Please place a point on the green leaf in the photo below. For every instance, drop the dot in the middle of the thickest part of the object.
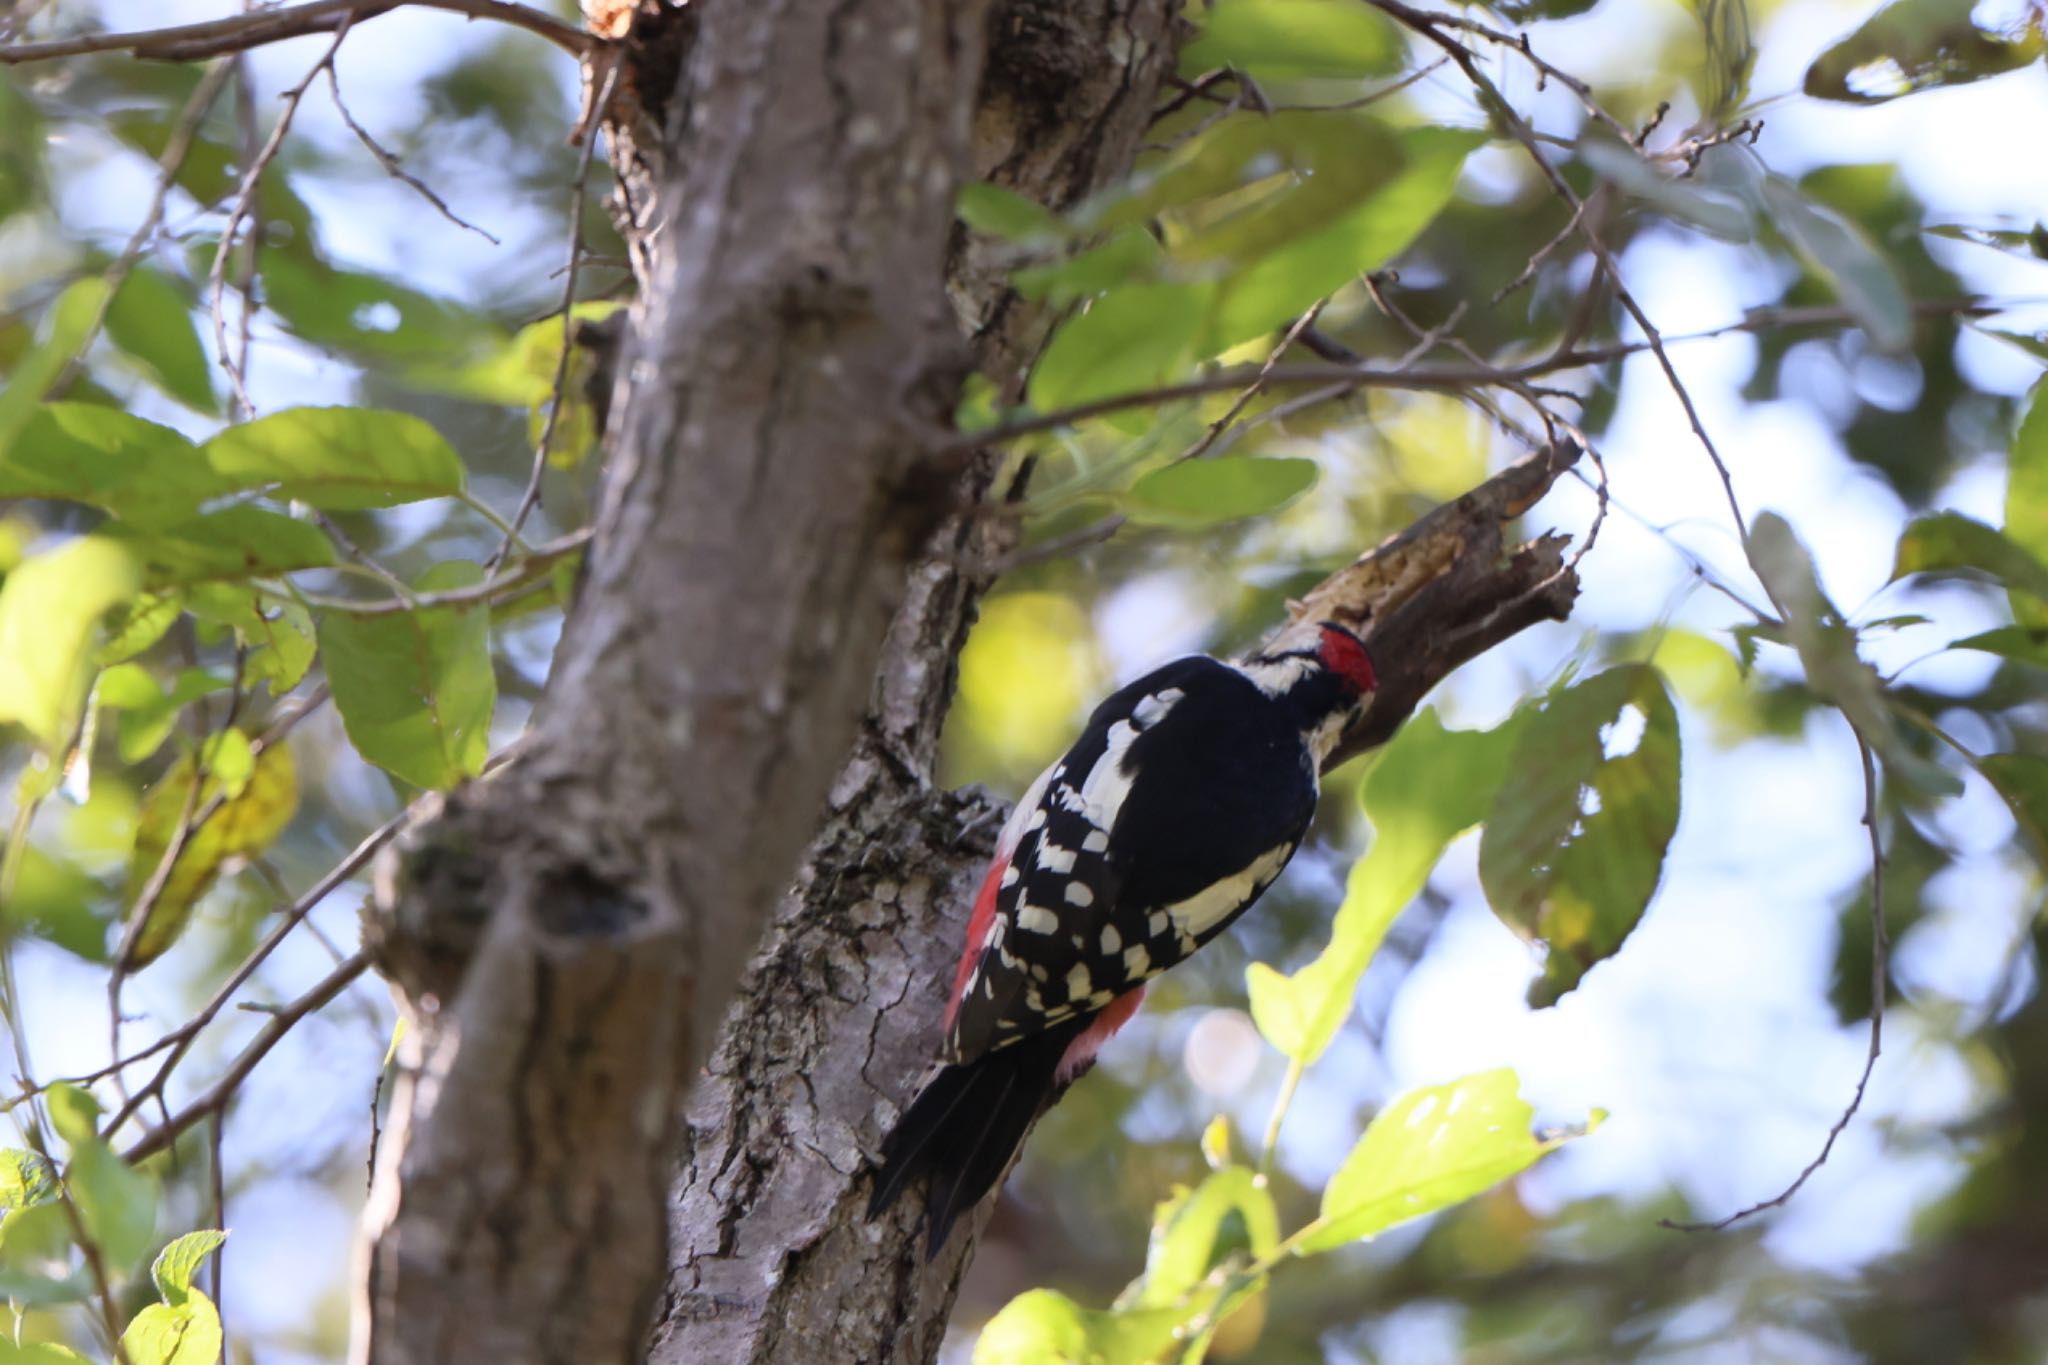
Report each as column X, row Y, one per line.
column 1267, row 293
column 1428, row 786
column 415, row 688
column 1428, row 1150
column 26, row 1180
column 116, row 1203
column 1007, row 214
column 1827, row 651
column 1230, row 1213
column 2032, row 243
column 82, row 452
column 1572, row 879
column 1205, row 492
column 1132, row 338
column 151, row 321
column 2022, row 780
column 1045, row 1327
column 231, row 545
column 1843, row 255
column 50, row 610
column 1127, row 254
column 339, row 458
column 369, row 316
column 2018, row 643
column 1713, row 211
column 1914, row 45
column 278, row 635
column 2026, row 501
column 187, row 1333
column 1948, row 541
column 148, row 712
column 1279, row 39
column 70, row 318
column 178, row 1262
column 135, row 627
column 43, row 1352
column 261, row 796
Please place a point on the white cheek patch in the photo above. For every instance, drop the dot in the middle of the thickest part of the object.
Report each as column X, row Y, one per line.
column 1275, row 677
column 1196, row 916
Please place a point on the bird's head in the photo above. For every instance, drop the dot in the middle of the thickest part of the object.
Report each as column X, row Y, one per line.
column 1325, row 685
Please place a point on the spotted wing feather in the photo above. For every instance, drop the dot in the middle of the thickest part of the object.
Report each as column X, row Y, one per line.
column 1216, row 792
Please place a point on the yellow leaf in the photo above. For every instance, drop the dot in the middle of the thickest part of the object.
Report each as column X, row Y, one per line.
column 248, row 822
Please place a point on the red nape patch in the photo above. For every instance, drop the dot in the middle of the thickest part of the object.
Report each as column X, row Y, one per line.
column 977, row 932
column 1080, row 1054
column 1344, row 654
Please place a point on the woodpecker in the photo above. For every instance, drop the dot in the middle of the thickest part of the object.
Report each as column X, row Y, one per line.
column 1177, row 807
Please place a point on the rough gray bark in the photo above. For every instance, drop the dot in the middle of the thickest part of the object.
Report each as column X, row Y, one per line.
column 569, row 932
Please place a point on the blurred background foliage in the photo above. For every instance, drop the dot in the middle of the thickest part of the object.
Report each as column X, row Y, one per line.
column 1866, row 245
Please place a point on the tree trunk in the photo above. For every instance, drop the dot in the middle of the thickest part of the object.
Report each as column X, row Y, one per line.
column 567, row 933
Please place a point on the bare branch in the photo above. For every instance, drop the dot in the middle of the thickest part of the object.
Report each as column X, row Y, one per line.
column 259, row 28
column 1880, row 970
column 392, row 166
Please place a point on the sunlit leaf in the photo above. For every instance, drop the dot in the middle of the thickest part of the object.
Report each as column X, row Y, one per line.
column 151, row 321
column 1949, row 541
column 1045, row 1327
column 57, row 901
column 277, row 634
column 43, row 1352
column 1129, row 253
column 1913, row 45
column 1428, row 1150
column 70, row 318
column 1840, row 252
column 1230, row 1212
column 26, row 1180
column 233, row 544
column 1277, row 39
column 1428, row 786
column 1574, row 843
column 339, row 458
column 2026, row 502
column 1130, row 339
column 83, row 452
column 148, row 711
column 1268, row 293
column 415, row 688
column 50, row 612
column 1204, row 492
column 177, row 1264
column 138, row 625
column 246, row 824
column 2022, row 780
column 116, row 1202
column 186, row 1333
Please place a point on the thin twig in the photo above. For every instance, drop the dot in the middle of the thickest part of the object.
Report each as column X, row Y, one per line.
column 245, row 199
column 214, row 1100
column 530, row 497
column 393, row 167
column 1880, row 957
column 532, row 566
column 258, row 28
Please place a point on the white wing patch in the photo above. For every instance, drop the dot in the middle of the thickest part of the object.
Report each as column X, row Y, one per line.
column 1036, row 919
column 1107, row 784
column 1200, row 912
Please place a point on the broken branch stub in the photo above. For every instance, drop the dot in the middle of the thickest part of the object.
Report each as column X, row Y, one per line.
column 1445, row 590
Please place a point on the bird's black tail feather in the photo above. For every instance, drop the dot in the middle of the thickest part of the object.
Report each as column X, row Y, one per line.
column 966, row 1124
